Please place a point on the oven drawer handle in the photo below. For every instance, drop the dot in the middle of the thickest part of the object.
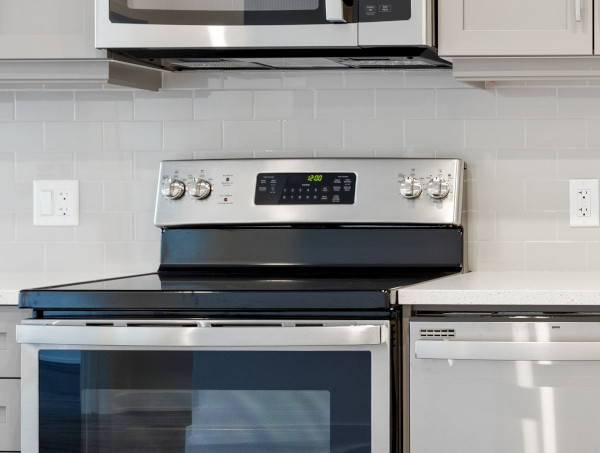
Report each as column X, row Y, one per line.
column 201, row 336
column 507, row 350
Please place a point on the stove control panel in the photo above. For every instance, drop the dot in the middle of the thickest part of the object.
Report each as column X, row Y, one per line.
column 292, row 191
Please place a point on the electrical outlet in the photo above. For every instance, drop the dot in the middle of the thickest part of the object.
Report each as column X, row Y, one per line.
column 56, row 203
column 584, row 203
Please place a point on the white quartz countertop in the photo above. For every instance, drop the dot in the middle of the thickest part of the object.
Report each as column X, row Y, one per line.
column 506, row 288
column 12, row 282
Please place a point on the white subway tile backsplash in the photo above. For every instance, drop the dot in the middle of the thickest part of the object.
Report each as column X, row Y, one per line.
column 191, row 135
column 252, row 134
column 521, row 142
column 103, row 105
column 45, row 165
column 133, row 136
column 7, row 226
column 547, row 195
column 556, row 256
column 345, row 104
column 313, row 134
column 556, row 133
column 45, row 105
column 497, row 256
column 466, row 103
column 210, row 105
column 134, row 257
column 526, row 226
column 275, row 104
column 166, row 105
column 527, row 164
column 67, row 256
column 7, row 106
column 23, row 257
column 75, row 136
column 495, row 134
column 27, row 232
column 105, row 227
column 405, row 103
column 373, row 134
column 439, row 134
column 579, row 163
column 104, row 166
column 7, row 167
column 21, row 136
column 527, row 102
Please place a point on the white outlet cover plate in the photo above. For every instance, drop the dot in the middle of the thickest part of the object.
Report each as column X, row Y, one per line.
column 56, row 203
column 576, row 219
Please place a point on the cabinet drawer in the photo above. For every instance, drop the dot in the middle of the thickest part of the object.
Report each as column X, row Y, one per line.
column 10, row 414
column 10, row 351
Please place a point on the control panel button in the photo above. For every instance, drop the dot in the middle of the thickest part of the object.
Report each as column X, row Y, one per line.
column 173, row 189
column 438, row 188
column 199, row 189
column 410, row 187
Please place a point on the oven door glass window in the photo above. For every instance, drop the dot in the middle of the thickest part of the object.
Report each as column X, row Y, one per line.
column 219, row 12
column 204, row 401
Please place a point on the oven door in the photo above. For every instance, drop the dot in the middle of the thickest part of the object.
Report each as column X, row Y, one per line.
column 187, row 386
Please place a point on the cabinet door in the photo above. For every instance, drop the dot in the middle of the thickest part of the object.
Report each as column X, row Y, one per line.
column 47, row 29
column 10, row 414
column 515, row 27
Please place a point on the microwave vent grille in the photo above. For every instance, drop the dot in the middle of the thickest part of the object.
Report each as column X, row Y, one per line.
column 437, row 333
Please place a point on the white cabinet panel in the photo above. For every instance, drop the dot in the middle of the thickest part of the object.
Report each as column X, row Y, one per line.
column 10, row 351
column 47, row 29
column 515, row 27
column 10, row 414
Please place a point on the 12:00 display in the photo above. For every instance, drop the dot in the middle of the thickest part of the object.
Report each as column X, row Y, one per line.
column 315, row 178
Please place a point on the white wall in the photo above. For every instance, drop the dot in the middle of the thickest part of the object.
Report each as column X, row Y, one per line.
column 522, row 144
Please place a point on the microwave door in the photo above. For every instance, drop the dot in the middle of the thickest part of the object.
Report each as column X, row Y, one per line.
column 220, row 24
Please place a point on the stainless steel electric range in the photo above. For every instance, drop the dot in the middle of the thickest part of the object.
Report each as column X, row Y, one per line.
column 271, row 325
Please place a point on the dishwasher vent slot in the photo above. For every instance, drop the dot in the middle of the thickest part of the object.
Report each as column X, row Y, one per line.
column 437, row 333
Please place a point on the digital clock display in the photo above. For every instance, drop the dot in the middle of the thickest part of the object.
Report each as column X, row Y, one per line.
column 305, row 188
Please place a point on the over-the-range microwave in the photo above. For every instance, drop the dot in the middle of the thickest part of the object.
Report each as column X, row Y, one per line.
column 206, row 34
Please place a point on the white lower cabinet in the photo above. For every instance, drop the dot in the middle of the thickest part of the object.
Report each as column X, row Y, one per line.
column 10, row 378
column 10, row 414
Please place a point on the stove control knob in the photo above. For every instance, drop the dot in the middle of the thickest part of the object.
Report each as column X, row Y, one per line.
column 200, row 189
column 410, row 187
column 173, row 189
column 438, row 188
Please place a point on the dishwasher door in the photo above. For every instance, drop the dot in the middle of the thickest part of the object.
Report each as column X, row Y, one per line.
column 504, row 386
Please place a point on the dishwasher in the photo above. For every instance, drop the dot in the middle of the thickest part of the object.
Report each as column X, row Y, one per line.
column 504, row 383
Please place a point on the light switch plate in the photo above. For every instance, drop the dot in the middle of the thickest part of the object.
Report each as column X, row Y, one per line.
column 56, row 203
column 584, row 203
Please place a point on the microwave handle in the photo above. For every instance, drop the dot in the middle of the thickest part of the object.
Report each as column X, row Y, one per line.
column 334, row 11
column 184, row 337
column 507, row 350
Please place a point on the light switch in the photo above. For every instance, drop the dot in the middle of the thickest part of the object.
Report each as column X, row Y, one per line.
column 56, row 203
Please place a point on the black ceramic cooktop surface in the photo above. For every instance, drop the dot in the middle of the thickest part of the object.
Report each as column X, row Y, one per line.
column 206, row 291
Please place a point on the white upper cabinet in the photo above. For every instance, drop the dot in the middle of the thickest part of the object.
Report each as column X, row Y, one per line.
column 515, row 27
column 47, row 29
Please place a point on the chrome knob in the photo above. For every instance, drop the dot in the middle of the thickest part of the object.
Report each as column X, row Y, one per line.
column 438, row 188
column 172, row 188
column 410, row 187
column 200, row 189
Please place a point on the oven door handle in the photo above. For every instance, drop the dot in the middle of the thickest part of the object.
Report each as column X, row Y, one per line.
column 166, row 336
column 507, row 350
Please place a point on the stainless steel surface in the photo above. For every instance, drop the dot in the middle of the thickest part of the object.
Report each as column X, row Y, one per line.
column 378, row 192
column 519, row 386
column 372, row 336
column 208, row 334
column 410, row 187
column 415, row 32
